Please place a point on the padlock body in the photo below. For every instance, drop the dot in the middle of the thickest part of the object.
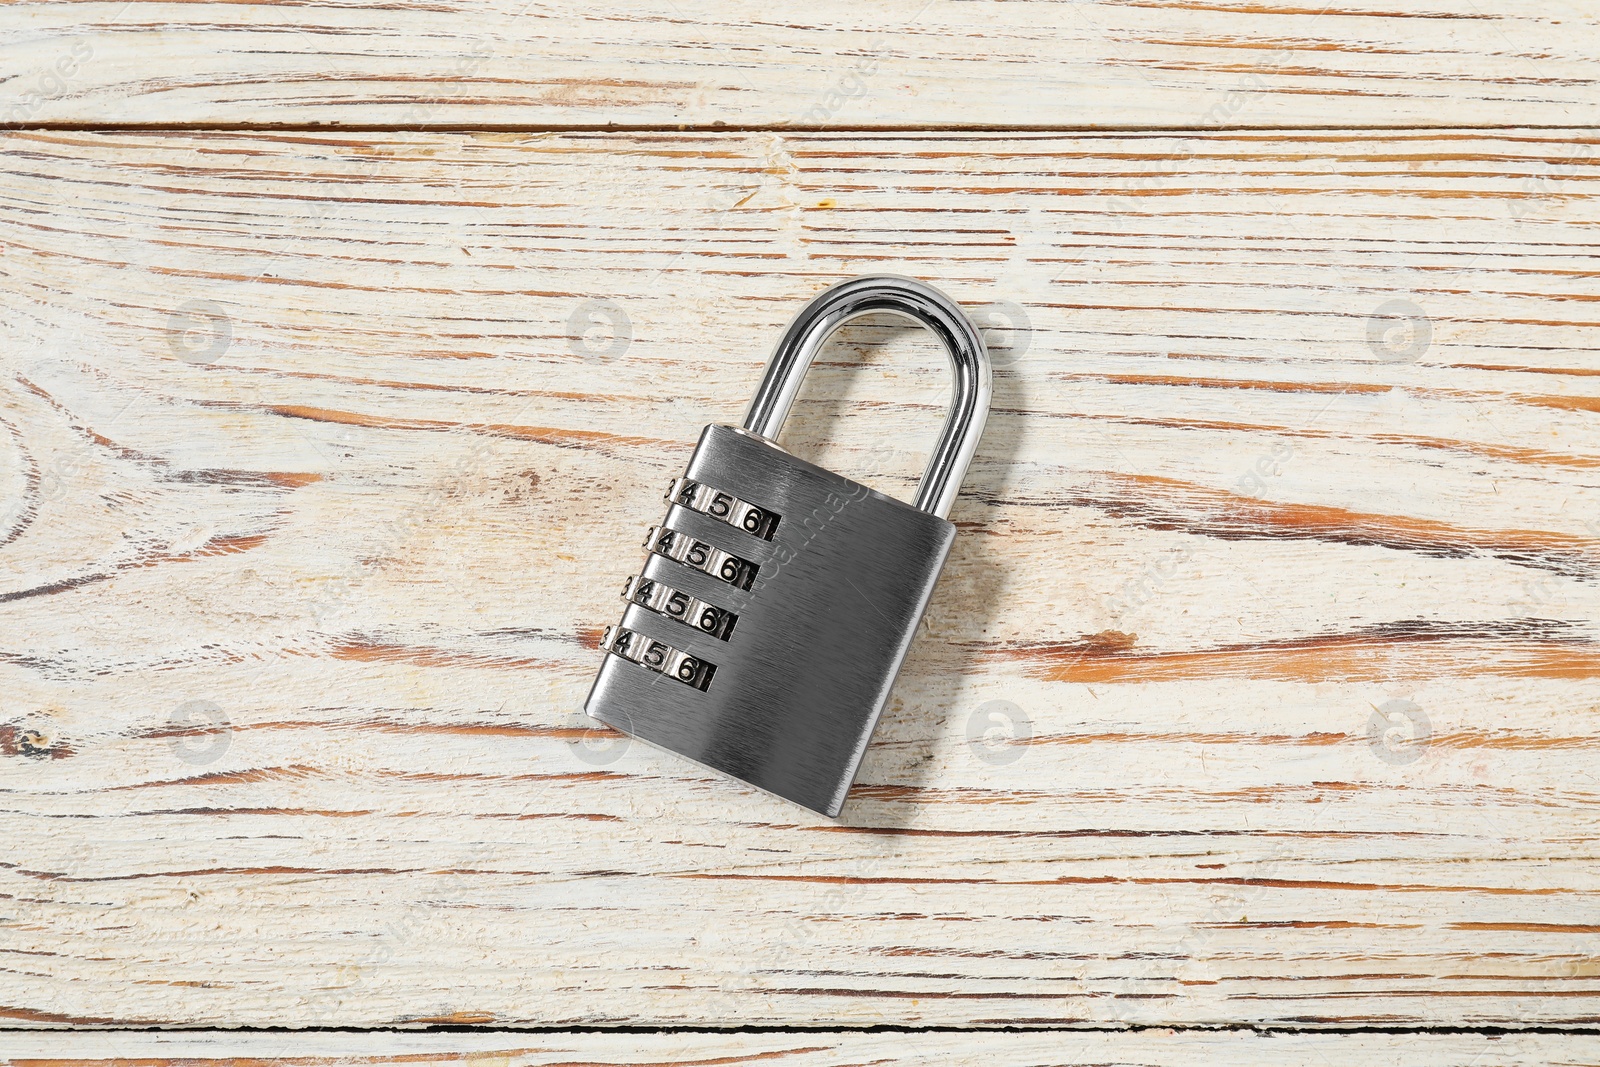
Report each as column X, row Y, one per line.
column 800, row 672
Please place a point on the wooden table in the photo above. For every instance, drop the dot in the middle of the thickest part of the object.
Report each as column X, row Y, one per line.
column 348, row 348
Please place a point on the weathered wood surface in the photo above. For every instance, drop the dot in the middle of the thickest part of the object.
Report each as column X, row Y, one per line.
column 820, row 63
column 327, row 455
column 808, row 1049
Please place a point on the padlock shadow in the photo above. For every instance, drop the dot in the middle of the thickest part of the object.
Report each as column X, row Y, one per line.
column 925, row 724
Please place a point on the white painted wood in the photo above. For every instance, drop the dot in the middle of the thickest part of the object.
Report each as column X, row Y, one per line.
column 805, row 1049
column 822, row 63
column 318, row 495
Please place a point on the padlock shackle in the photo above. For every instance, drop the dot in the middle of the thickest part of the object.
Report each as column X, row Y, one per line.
column 920, row 302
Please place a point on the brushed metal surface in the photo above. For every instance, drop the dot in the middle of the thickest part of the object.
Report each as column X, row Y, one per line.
column 821, row 634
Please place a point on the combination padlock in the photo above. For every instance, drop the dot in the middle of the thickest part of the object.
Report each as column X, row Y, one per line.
column 778, row 599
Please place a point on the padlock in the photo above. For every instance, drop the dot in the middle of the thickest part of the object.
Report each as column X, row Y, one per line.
column 778, row 599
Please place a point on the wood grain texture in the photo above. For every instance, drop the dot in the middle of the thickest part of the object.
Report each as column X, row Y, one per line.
column 327, row 455
column 808, row 1049
column 822, row 63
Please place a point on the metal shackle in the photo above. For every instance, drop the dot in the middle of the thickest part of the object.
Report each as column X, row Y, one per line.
column 907, row 297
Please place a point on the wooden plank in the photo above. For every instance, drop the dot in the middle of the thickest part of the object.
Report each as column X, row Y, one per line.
column 823, row 63
column 328, row 455
column 806, row 1049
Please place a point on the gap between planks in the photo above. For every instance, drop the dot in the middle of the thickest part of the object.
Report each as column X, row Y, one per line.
column 1190, row 130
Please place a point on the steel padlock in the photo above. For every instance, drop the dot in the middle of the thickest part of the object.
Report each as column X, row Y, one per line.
column 778, row 599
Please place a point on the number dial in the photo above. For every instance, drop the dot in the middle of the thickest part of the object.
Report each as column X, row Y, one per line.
column 658, row 656
column 695, row 553
column 724, row 507
column 674, row 604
